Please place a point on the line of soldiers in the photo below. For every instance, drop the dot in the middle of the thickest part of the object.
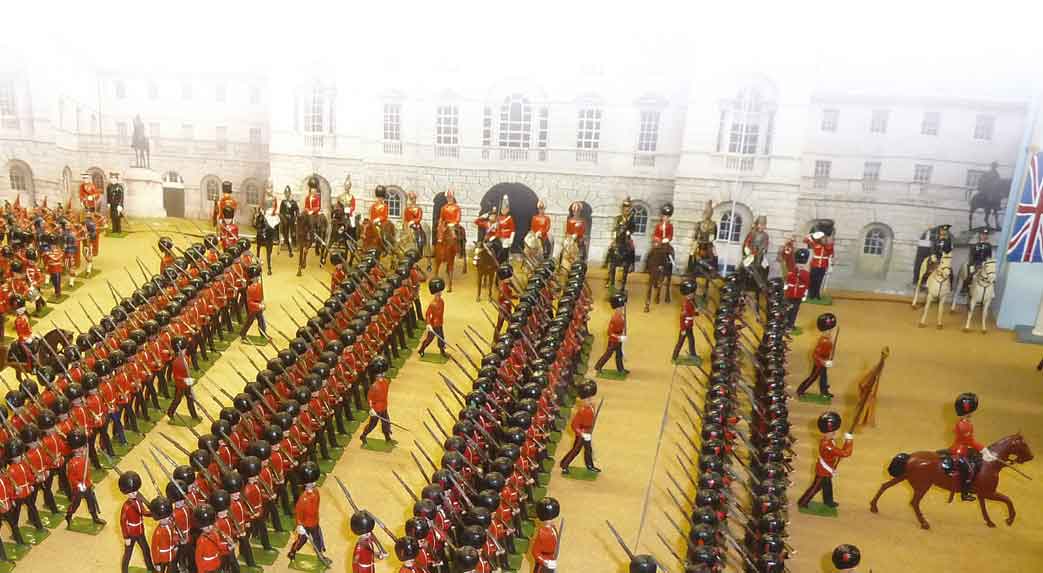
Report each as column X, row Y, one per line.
column 106, row 379
column 261, row 450
column 472, row 508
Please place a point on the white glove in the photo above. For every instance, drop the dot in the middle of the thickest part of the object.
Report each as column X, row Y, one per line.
column 430, row 328
column 127, row 542
column 849, row 436
column 666, row 241
column 119, row 209
column 189, row 382
column 31, row 339
column 622, row 339
column 506, row 242
column 301, row 530
column 829, row 364
column 82, row 487
column 262, row 306
column 372, row 412
column 586, row 436
column 550, row 564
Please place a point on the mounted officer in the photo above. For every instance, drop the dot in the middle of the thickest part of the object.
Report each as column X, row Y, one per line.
column 702, row 250
column 965, row 449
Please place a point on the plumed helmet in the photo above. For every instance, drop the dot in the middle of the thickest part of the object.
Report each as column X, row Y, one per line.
column 618, row 300
column 362, row 522
column 643, row 564
column 406, row 548
column 547, row 508
column 829, row 422
column 688, row 286
column 966, row 403
column 802, row 256
column 203, row 515
column 587, row 389
column 667, row 209
column 846, row 556
column 309, row 473
column 826, row 321
column 504, row 272
column 435, row 285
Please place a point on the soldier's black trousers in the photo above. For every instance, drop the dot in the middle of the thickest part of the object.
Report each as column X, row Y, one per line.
column 128, row 552
column 77, row 497
column 817, row 373
column 821, row 483
column 685, row 334
column 815, row 289
column 189, row 397
column 612, row 348
column 117, row 226
column 431, row 336
column 577, row 444
column 385, row 425
column 791, row 312
column 250, row 318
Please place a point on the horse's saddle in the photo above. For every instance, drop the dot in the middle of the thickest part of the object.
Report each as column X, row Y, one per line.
column 950, row 463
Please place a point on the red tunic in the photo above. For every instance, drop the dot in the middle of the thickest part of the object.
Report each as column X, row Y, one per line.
column 132, row 518
column 504, row 226
column 823, row 350
column 663, row 232
column 306, row 511
column 964, row 439
column 540, row 225
column 378, row 395
column 89, row 195
column 797, row 282
column 226, row 200
column 413, row 215
column 450, row 214
column 829, row 456
column 575, row 227
column 312, row 204
column 434, row 313
column 164, row 541
column 583, row 420
column 255, row 298
column 23, row 328
column 209, row 548
column 78, row 473
column 616, row 327
column 688, row 313
column 544, row 544
column 820, row 253
column 378, row 212
column 362, row 557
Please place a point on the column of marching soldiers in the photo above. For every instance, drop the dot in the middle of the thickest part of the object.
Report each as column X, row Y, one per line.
column 744, row 439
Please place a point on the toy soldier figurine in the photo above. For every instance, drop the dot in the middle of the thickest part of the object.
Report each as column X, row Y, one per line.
column 78, row 476
column 506, row 296
column 664, row 230
column 225, row 206
column 623, row 227
column 182, row 379
column 980, row 252
column 164, row 536
column 829, row 456
column 254, row 303
column 89, row 194
column 407, row 549
column 450, row 212
column 210, row 548
column 617, row 327
column 434, row 316
column 378, row 211
column 540, row 224
column 288, row 213
column 575, row 226
column 23, row 330
column 378, row 400
column 306, row 513
column 132, row 520
column 964, row 446
column 348, row 198
column 688, row 314
column 785, row 257
column 704, row 237
column 114, row 196
column 582, row 426
column 933, row 244
column 754, row 247
column 545, row 539
column 822, row 356
column 820, row 241
column 797, row 281
column 846, row 557
column 367, row 548
column 504, row 231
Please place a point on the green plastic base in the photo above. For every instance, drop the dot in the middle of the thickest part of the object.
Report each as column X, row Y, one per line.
column 612, row 375
column 114, row 235
column 253, row 340
column 32, row 536
column 581, row 474
column 378, row 445
column 434, row 358
column 815, row 399
column 819, row 509
column 75, row 286
column 58, row 299
column 84, row 525
column 43, row 312
column 514, row 561
column 279, row 538
column 52, row 520
column 94, row 272
column 826, row 300
column 688, row 361
column 99, row 476
column 307, row 563
column 263, row 556
column 796, row 331
column 183, row 421
column 15, row 552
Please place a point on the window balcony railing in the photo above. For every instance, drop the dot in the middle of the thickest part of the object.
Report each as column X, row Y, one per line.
column 643, row 159
column 393, row 147
column 587, row 155
column 514, row 154
column 447, row 151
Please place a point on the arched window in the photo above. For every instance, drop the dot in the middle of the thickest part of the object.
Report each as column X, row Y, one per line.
column 640, row 215
column 875, row 242
column 515, row 122
column 252, row 193
column 20, row 178
column 747, row 123
column 394, row 203
column 67, row 188
column 212, row 187
column 730, row 228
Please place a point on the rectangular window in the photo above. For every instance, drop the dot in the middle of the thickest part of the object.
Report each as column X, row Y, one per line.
column 929, row 125
column 18, row 182
column 870, row 175
column 922, row 174
column 121, row 89
column 392, row 122
column 588, row 135
column 973, row 177
column 648, row 133
column 743, row 138
column 222, row 138
column 829, row 119
column 255, row 95
column 542, row 132
column 822, row 169
column 153, row 90
column 447, row 125
column 878, row 124
column 186, row 90
column 255, row 136
column 188, row 132
column 983, row 126
column 8, row 108
column 222, row 92
column 314, row 113
column 153, row 130
column 121, row 131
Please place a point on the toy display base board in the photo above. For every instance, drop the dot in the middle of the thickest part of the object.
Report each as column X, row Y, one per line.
column 612, row 375
column 815, row 399
column 434, row 358
column 826, row 300
column 819, row 509
column 582, row 474
column 688, row 361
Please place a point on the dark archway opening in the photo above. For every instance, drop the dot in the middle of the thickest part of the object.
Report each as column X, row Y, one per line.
column 523, row 206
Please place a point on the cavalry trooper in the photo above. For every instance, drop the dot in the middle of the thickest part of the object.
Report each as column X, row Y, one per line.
column 450, row 212
column 829, row 455
column 688, row 313
column 575, row 226
column 846, row 557
column 378, row 211
column 583, row 426
column 503, row 235
column 664, row 229
column 540, row 224
column 820, row 241
column 624, row 222
column 132, row 520
column 964, row 447
column 617, row 328
column 822, row 356
column 412, row 218
column 755, row 247
column 434, row 316
column 545, row 539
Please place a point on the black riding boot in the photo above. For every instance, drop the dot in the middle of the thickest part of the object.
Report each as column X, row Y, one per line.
column 965, row 481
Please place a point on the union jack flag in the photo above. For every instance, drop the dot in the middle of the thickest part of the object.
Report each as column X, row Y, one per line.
column 1026, row 238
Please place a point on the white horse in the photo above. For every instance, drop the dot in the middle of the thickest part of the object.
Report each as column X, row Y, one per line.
column 938, row 286
column 982, row 290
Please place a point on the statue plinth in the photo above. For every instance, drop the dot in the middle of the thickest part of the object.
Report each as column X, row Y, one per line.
column 144, row 193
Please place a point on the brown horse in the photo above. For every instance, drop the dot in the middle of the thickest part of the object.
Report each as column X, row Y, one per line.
column 377, row 237
column 924, row 470
column 659, row 265
column 486, row 264
column 14, row 357
column 307, row 229
column 446, row 247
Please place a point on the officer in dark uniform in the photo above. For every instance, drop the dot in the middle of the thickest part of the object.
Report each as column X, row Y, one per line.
column 289, row 210
column 114, row 196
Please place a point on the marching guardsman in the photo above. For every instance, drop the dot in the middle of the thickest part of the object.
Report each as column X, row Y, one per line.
column 132, row 520
column 114, row 196
column 846, row 557
column 228, row 231
column 210, row 548
column 378, row 400
column 664, row 229
column 22, row 476
column 688, row 313
column 434, row 316
column 964, row 444
column 306, row 514
column 313, row 200
column 545, row 539
column 504, row 232
column 89, row 193
column 78, row 475
column 797, row 281
column 540, row 224
column 407, row 549
column 822, row 356
column 505, row 290
column 367, row 549
column 582, row 427
column 829, row 455
column 254, row 303
column 54, row 264
column 378, row 211
column 575, row 226
column 183, row 381
column 164, row 537
column 617, row 327
column 288, row 213
column 820, row 241
column 225, row 206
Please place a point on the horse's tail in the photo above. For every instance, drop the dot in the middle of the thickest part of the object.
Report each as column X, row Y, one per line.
column 897, row 466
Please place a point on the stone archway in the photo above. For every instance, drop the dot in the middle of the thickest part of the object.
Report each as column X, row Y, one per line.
column 20, row 178
column 522, row 201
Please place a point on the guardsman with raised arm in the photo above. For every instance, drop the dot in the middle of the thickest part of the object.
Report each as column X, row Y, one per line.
column 434, row 316
column 820, row 241
column 544, row 549
column 821, row 356
column 797, row 281
column 964, row 445
column 617, row 328
column 540, row 224
column 583, row 426
column 688, row 313
column 132, row 520
column 829, row 455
